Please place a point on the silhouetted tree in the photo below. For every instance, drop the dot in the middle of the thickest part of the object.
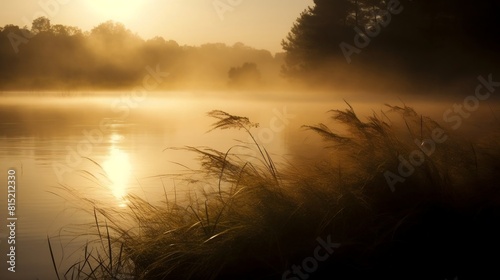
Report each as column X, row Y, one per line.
column 247, row 74
column 111, row 56
column 63, row 30
column 41, row 24
column 433, row 37
column 316, row 33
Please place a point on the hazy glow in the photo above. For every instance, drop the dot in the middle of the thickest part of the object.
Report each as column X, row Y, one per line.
column 115, row 138
column 257, row 23
column 118, row 168
column 114, row 9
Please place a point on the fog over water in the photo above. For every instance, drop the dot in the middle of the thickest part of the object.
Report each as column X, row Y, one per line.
column 102, row 119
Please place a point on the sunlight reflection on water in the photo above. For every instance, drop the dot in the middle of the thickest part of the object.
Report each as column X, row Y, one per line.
column 38, row 132
column 118, row 169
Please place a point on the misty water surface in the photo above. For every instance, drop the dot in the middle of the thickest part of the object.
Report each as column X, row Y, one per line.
column 40, row 137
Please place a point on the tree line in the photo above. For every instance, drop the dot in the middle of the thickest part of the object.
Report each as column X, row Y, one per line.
column 60, row 57
column 333, row 43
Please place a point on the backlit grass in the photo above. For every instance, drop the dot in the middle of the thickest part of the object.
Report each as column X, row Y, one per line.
column 252, row 218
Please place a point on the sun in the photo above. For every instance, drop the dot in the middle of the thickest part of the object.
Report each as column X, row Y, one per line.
column 115, row 9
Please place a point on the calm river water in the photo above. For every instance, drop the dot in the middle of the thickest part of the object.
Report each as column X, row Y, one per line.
column 43, row 140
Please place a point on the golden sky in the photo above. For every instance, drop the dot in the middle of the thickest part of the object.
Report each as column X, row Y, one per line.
column 257, row 23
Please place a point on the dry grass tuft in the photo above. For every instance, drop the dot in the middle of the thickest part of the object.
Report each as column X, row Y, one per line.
column 252, row 221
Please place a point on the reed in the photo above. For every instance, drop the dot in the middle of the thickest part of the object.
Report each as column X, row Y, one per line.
column 254, row 218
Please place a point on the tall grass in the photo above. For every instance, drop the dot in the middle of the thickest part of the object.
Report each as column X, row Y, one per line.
column 254, row 219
